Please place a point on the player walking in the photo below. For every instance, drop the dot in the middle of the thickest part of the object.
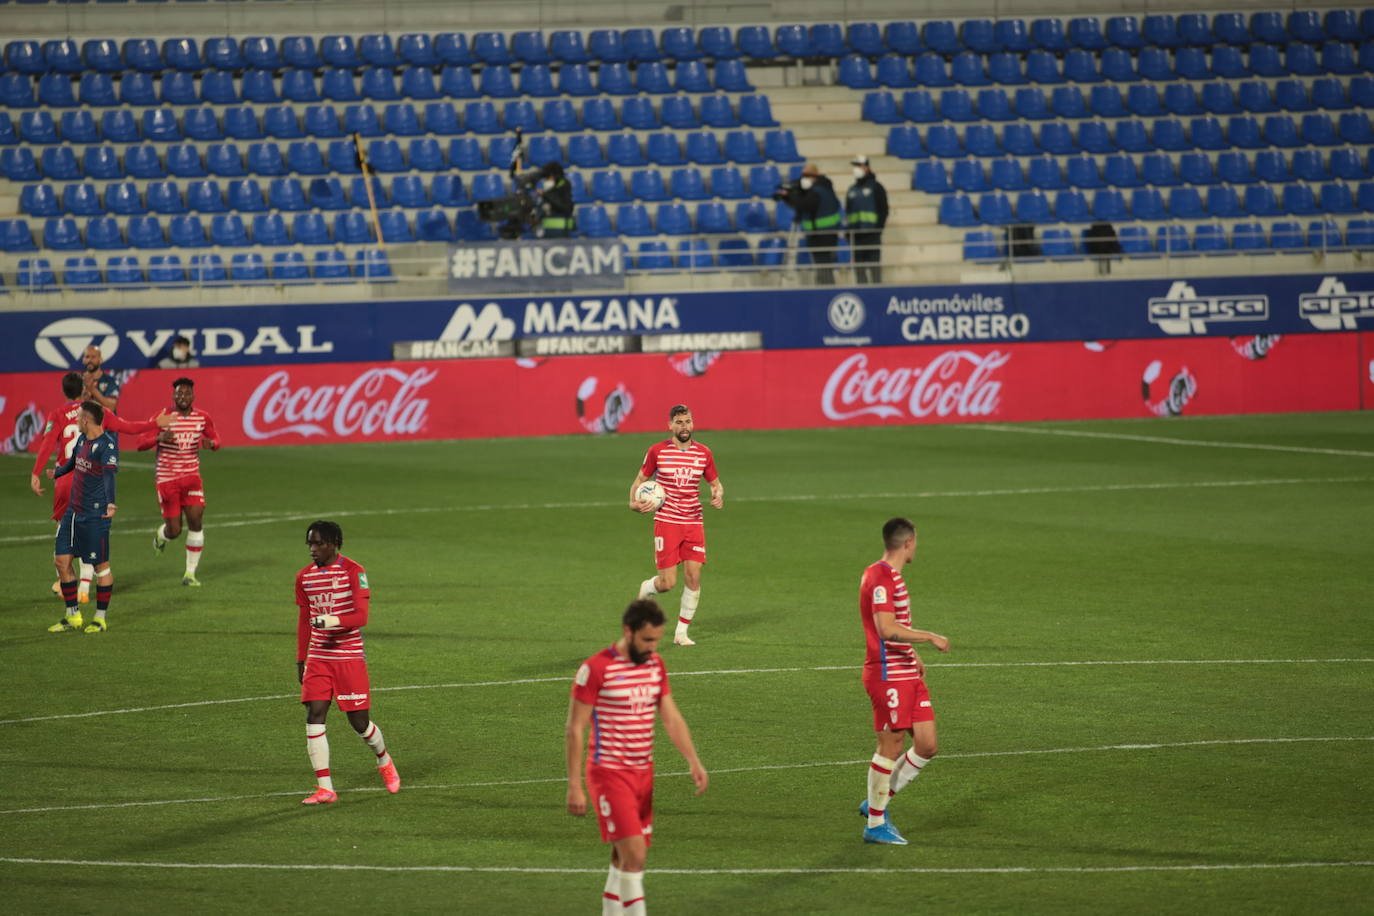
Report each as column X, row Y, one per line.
column 679, row 464
column 894, row 678
column 63, row 429
column 85, row 527
column 333, row 598
column 179, row 487
column 619, row 690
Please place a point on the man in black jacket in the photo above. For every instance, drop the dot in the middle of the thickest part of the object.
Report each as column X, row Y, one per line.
column 557, row 221
column 818, row 213
column 865, row 208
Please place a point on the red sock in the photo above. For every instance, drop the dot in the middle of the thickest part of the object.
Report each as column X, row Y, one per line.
column 69, row 597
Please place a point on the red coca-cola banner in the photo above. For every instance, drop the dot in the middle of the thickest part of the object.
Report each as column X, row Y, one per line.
column 370, row 402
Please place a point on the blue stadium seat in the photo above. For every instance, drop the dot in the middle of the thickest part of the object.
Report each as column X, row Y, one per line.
column 1228, row 63
column 894, row 72
column 261, row 52
column 673, row 219
column 165, row 271
column 452, row 49
column 1043, row 172
column 1134, row 240
column 728, row 182
column 614, row 79
column 688, row 184
column 55, row 90
column 1006, row 175
column 96, row 89
column 1308, row 165
column 1080, row 66
column 1263, row 27
column 466, row 153
column 101, row 55
column 395, row 226
column 287, row 194
column 1033, row 207
column 994, row 208
column 1031, row 104
column 1004, row 67
column 1057, row 139
column 1082, row 172
column 1195, row 29
column 755, row 42
column 447, row 191
column 122, row 197
column 855, row 73
column 289, row 266
column 1306, row 25
column 558, row 115
column 496, row 82
column 217, row 86
column 223, row 159
column 1260, row 201
column 37, row 127
column 1185, row 203
column 716, row 111
column 1106, row 102
column 764, row 180
column 637, row 113
column 968, row 175
column 1324, row 235
column 1126, row 32
column 1359, row 233
column 331, row 266
column 456, row 82
column 967, row 69
column 202, row 124
column 679, row 43
column 982, row 140
column 378, row 51
column 1173, row 240
column 1329, row 93
column 1337, row 57
column 1336, row 197
column 1059, row 243
column 730, row 76
column 165, row 197
column 691, row 76
column 259, row 86
column 575, row 79
column 139, row 162
column 780, row 146
column 340, row 51
column 1206, row 133
column 296, row 51
column 942, row 140
column 1342, row 25
column 919, row 105
column 712, row 217
column 137, row 89
column 1210, row 237
column 1271, row 166
column 1118, row 66
column 640, row 45
column 1132, row 137
column 161, row 124
column 1095, row 137
column 203, row 196
column 653, row 255
column 1354, row 129
column 793, row 41
column 956, row 105
column 337, row 85
column 1317, row 129
column 1299, row 200
column 1346, row 164
column 125, row 272
column 16, row 236
column 373, row 265
column 647, row 184
column 1286, row 236
column 633, row 220
column 146, row 232
column 717, row 43
column 36, row 275
column 904, row 142
column 1043, row 67
column 1365, row 196
column 240, row 123
column 352, row 228
column 184, row 231
column 545, row 148
column 245, row 195
column 1148, row 204
column 480, row 117
column 621, row 149
column 266, row 159
column 1120, row 171
column 40, row 200
column 248, row 267
column 206, row 269
column 703, row 148
column 304, row 158
column 1068, row 102
column 609, row 187
column 142, row 54
column 327, row 194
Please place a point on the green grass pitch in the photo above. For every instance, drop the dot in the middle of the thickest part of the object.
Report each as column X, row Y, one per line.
column 1221, row 593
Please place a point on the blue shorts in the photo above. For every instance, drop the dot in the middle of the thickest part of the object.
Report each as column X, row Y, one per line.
column 85, row 540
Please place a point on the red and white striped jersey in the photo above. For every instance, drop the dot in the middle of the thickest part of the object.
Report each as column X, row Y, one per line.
column 624, row 698
column 61, row 432
column 181, row 457
column 680, row 472
column 884, row 589
column 340, row 589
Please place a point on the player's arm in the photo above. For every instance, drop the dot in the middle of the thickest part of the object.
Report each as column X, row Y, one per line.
column 302, row 629
column 354, row 618
column 892, row 631
column 108, row 477
column 646, row 470
column 681, row 736
column 117, row 424
column 65, row 467
column 574, row 740
column 713, row 480
column 209, row 435
column 45, row 449
column 93, row 392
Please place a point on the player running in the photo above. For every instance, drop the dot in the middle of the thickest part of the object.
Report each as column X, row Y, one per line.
column 179, row 487
column 679, row 464
column 894, row 678
column 85, row 527
column 63, row 430
column 333, row 597
column 619, row 690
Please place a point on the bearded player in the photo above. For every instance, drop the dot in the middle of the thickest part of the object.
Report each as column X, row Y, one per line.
column 618, row 692
column 333, row 598
column 679, row 465
column 180, row 490
column 894, row 677
column 63, row 430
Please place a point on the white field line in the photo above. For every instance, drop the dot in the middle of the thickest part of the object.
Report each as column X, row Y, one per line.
column 256, row 519
column 1168, row 440
column 677, row 674
column 656, row 872
column 715, row 772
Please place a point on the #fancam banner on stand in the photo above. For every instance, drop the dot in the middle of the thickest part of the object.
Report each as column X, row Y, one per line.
column 528, row 265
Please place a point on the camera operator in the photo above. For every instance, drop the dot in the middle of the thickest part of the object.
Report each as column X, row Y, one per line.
column 865, row 208
column 556, row 220
column 818, row 212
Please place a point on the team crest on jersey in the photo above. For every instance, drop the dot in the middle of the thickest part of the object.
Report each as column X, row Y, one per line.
column 362, row 580
column 583, row 674
column 880, row 594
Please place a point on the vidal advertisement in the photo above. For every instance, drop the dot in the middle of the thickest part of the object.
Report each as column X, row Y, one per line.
column 760, row 389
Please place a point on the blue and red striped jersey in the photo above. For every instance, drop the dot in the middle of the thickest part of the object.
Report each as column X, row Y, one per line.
column 94, row 462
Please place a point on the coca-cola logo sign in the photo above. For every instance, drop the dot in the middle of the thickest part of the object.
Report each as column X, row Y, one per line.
column 378, row 400
column 953, row 383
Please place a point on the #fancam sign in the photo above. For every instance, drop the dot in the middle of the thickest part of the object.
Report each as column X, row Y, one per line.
column 535, row 265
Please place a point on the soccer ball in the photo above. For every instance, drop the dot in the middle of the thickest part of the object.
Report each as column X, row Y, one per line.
column 653, row 491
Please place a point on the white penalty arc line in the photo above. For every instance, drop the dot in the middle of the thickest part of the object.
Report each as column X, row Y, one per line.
column 971, row 755
column 781, row 498
column 656, row 872
column 1168, row 440
column 515, row 682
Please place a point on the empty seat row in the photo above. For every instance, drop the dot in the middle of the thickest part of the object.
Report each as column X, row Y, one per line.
column 83, row 273
column 188, row 231
column 59, row 90
column 1169, row 134
column 1153, row 169
column 683, row 44
column 306, row 157
column 696, row 254
column 1114, row 65
column 1141, row 100
column 398, row 118
column 1111, row 204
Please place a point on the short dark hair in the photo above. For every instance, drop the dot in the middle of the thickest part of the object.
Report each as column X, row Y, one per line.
column 643, row 613
column 329, row 532
column 183, row 381
column 95, row 410
column 677, row 409
column 72, row 383
column 181, row 338
column 552, row 170
column 896, row 530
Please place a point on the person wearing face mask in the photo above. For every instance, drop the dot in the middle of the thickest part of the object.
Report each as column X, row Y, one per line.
column 865, row 207
column 180, row 356
column 818, row 210
column 557, row 221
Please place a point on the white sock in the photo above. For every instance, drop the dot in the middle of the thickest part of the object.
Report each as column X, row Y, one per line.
column 195, row 543
column 372, row 737
column 317, row 746
column 687, row 609
column 162, row 532
column 879, row 780
column 632, row 893
column 87, row 573
column 908, row 767
column 610, row 897
column 648, row 588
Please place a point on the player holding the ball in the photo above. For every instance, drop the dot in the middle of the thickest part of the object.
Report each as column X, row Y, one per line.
column 333, row 597
column 678, row 464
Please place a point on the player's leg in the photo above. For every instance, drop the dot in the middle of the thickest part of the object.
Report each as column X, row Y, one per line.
column 317, row 686
column 665, row 562
column 66, row 579
column 355, row 685
column 104, row 586
column 888, row 722
column 691, row 597
column 195, row 535
column 631, row 854
column 924, row 742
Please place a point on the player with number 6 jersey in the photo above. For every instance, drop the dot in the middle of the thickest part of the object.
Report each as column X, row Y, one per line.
column 894, row 677
column 679, row 464
column 619, row 692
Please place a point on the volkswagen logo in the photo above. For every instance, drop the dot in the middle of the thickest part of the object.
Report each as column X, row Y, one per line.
column 846, row 313
column 60, row 343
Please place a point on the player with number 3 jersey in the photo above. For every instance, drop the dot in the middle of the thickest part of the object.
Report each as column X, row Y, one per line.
column 679, row 464
column 894, row 677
